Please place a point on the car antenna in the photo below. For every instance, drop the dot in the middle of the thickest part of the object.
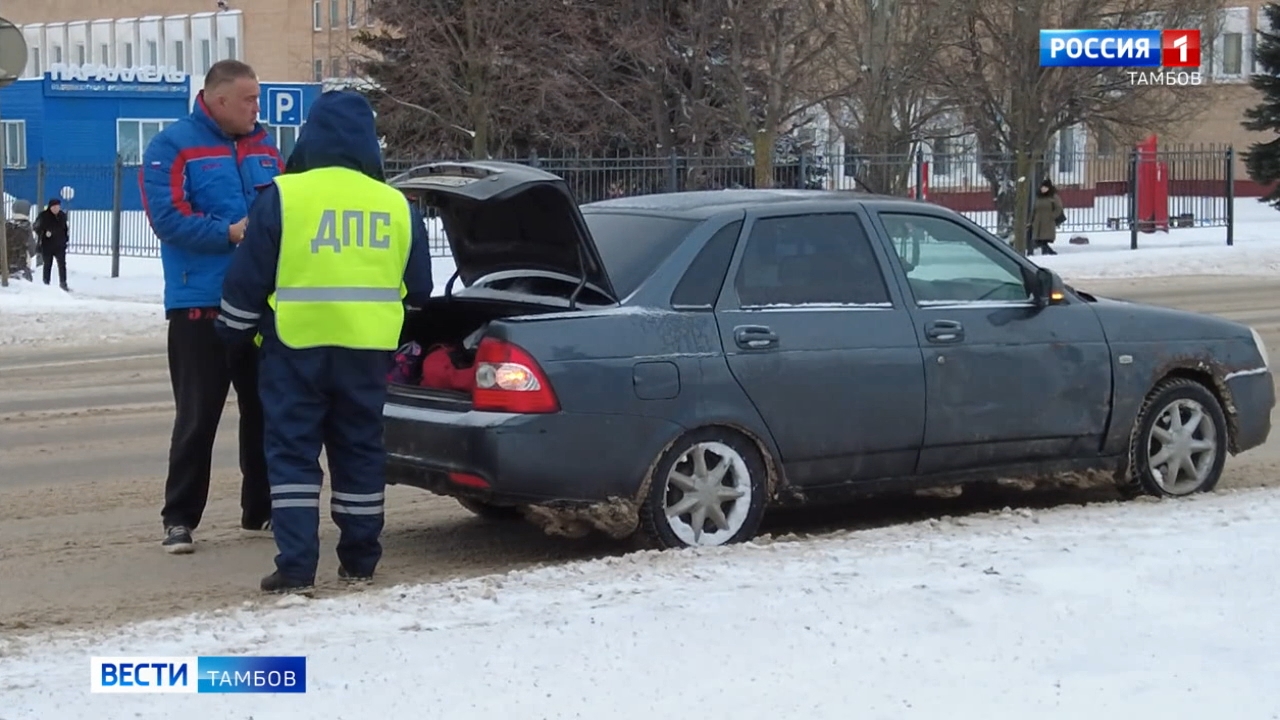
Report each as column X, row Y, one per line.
column 582, row 281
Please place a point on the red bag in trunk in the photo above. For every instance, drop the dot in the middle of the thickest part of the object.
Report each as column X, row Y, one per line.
column 441, row 371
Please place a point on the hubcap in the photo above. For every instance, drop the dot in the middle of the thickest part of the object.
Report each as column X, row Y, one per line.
column 1182, row 447
column 708, row 494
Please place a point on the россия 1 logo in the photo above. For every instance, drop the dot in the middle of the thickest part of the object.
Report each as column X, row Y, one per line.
column 1165, row 49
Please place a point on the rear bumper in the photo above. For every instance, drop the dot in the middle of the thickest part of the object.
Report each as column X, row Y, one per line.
column 1254, row 397
column 524, row 459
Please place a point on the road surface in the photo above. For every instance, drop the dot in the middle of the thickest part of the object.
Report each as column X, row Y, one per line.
column 83, row 442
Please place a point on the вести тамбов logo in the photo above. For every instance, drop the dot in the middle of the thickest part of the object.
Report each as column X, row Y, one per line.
column 198, row 674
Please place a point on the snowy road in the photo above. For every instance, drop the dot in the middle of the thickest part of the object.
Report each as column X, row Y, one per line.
column 1143, row 609
column 83, row 446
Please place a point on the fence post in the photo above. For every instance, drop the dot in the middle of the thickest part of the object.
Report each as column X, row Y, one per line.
column 116, row 213
column 1133, row 199
column 919, row 173
column 1231, row 195
column 673, row 172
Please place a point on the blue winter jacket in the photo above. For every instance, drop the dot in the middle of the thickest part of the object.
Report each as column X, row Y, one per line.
column 197, row 182
column 339, row 132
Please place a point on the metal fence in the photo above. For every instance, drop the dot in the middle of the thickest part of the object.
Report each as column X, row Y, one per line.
column 1102, row 192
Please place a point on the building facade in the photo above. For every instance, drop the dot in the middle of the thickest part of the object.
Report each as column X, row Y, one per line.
column 95, row 92
column 285, row 40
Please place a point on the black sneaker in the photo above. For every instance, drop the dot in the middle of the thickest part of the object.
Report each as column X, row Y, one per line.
column 350, row 577
column 177, row 541
column 277, row 583
column 256, row 528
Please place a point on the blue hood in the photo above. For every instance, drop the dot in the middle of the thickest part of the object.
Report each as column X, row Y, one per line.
column 340, row 132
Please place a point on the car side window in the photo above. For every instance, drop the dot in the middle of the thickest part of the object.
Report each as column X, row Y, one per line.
column 700, row 286
column 946, row 262
column 822, row 259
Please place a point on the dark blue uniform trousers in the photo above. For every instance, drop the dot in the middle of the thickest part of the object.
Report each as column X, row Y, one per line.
column 330, row 397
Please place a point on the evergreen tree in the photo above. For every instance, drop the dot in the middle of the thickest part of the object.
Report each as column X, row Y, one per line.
column 1262, row 160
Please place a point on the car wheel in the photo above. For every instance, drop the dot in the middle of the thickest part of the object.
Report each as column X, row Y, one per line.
column 708, row 489
column 1179, row 443
column 491, row 512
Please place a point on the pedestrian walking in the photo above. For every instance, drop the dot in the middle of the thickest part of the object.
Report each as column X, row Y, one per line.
column 199, row 176
column 53, row 233
column 331, row 255
column 1046, row 215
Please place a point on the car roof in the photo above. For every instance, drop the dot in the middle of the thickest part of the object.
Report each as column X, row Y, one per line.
column 702, row 204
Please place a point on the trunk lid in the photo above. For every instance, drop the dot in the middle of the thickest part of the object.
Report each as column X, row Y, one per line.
column 504, row 216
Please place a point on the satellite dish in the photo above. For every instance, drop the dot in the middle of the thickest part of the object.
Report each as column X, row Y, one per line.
column 13, row 52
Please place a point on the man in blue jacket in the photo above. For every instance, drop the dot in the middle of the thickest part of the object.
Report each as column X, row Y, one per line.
column 326, row 297
column 199, row 177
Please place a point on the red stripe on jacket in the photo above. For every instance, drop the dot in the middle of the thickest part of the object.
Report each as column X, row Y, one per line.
column 178, row 170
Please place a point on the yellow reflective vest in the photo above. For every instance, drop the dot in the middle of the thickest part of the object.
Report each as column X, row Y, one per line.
column 344, row 246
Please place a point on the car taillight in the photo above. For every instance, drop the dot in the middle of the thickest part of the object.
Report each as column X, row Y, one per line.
column 508, row 379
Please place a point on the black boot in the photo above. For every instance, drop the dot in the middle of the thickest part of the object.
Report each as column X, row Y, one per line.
column 350, row 577
column 277, row 583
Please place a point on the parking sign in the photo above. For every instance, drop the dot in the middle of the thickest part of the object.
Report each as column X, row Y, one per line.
column 284, row 106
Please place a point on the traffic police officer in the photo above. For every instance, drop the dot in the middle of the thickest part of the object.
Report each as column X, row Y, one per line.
column 330, row 255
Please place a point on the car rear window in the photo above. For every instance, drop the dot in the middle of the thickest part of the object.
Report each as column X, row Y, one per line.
column 632, row 246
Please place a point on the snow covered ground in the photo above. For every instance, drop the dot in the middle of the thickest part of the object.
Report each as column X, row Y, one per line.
column 104, row 309
column 1143, row 609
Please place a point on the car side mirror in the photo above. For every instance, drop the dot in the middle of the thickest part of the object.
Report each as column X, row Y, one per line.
column 1049, row 288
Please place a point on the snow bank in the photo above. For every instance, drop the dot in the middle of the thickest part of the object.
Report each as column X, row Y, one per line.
column 1115, row 610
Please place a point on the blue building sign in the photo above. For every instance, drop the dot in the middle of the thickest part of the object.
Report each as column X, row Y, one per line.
column 283, row 105
column 68, row 128
column 98, row 80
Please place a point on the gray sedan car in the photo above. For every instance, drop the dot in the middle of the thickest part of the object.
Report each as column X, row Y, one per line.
column 670, row 366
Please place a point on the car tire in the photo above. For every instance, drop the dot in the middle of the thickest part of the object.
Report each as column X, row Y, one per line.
column 731, row 470
column 491, row 512
column 1162, row 444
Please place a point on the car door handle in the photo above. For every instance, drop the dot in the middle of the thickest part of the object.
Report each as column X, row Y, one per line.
column 944, row 331
column 755, row 337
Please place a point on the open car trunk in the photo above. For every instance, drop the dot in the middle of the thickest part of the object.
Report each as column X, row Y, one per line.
column 448, row 329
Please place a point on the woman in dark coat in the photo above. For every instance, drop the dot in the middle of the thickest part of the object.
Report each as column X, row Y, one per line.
column 1046, row 215
column 53, row 233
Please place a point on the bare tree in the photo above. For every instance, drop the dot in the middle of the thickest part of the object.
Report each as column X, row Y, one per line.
column 776, row 67
column 451, row 76
column 889, row 55
column 1015, row 107
column 663, row 61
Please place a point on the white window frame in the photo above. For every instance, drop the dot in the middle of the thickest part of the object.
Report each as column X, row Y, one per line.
column 233, row 48
column 1231, row 21
column 1079, row 145
column 105, row 48
column 129, row 59
column 334, row 9
column 368, row 13
column 82, row 54
column 317, row 70
column 57, row 54
column 316, row 16
column 15, row 158
column 153, row 53
column 179, row 61
column 206, row 55
column 142, row 148
column 353, row 14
